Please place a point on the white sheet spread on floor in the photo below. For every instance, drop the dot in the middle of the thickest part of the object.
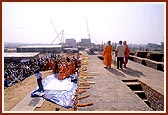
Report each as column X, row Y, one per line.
column 56, row 84
column 61, row 92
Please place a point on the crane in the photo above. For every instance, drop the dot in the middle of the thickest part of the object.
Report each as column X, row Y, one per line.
column 58, row 34
column 89, row 34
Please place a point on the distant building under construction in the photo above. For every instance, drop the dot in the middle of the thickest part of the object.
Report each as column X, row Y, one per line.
column 41, row 48
column 70, row 42
column 16, row 57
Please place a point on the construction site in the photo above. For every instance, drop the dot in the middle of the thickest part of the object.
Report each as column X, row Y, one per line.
column 136, row 88
column 140, row 87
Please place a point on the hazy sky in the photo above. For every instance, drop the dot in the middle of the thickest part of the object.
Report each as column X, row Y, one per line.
column 31, row 22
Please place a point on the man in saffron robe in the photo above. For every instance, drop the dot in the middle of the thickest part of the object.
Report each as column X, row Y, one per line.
column 107, row 55
column 126, row 54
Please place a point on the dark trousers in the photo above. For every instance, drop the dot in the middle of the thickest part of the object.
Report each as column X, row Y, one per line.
column 120, row 62
column 40, row 85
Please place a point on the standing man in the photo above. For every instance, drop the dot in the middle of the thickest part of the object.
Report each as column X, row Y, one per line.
column 120, row 49
column 127, row 51
column 39, row 80
column 107, row 55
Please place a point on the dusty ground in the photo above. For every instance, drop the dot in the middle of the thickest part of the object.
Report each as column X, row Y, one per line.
column 14, row 94
column 108, row 93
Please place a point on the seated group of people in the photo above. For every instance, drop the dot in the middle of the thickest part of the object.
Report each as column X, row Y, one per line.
column 64, row 66
column 17, row 71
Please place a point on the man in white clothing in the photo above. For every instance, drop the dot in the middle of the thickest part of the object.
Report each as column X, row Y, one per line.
column 39, row 80
column 120, row 49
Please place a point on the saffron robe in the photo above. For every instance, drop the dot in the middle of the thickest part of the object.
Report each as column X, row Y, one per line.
column 107, row 55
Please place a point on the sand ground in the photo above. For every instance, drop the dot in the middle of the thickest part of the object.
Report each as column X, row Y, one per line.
column 14, row 94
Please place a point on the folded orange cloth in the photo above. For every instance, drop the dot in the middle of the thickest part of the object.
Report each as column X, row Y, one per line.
column 81, row 91
column 85, row 96
column 84, row 104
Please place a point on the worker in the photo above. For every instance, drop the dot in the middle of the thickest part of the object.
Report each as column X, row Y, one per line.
column 39, row 80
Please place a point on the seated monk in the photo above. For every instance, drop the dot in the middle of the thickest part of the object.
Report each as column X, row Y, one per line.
column 65, row 70
column 59, row 65
column 53, row 66
column 70, row 65
column 71, row 68
column 47, row 65
column 62, row 73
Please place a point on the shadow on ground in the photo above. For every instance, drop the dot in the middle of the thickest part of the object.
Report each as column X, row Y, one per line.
column 116, row 72
column 132, row 72
column 128, row 71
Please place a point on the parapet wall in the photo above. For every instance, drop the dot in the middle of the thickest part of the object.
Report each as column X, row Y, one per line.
column 148, row 62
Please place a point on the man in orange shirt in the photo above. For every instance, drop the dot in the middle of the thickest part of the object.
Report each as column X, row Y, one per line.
column 107, row 55
column 126, row 54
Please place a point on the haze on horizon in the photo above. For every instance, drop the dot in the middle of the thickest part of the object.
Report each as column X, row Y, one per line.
column 137, row 23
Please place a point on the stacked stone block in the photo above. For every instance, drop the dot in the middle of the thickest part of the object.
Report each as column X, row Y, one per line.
column 155, row 98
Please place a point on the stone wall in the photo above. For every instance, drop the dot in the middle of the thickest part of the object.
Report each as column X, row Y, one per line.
column 148, row 62
column 155, row 99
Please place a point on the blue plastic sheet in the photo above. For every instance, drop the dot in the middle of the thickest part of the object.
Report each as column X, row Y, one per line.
column 64, row 98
